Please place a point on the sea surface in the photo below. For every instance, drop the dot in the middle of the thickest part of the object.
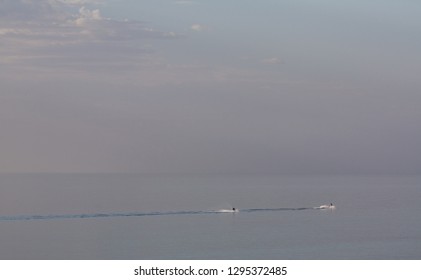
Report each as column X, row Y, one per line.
column 132, row 216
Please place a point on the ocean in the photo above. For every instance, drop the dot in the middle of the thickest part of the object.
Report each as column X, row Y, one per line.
column 133, row 216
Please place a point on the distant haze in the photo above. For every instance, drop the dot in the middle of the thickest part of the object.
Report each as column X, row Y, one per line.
column 210, row 87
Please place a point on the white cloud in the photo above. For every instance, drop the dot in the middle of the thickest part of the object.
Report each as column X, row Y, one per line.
column 86, row 16
column 198, row 27
column 86, row 13
column 53, row 33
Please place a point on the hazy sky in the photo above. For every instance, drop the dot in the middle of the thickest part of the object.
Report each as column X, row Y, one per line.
column 210, row 86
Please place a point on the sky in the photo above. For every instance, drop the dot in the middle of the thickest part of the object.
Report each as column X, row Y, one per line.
column 210, row 87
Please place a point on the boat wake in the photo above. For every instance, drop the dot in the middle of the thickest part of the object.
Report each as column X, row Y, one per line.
column 326, row 207
column 143, row 214
column 228, row 211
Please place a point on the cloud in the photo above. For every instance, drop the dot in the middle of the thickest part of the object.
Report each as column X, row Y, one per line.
column 198, row 27
column 52, row 33
column 86, row 15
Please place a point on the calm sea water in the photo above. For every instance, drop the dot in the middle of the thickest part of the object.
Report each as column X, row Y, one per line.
column 113, row 216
